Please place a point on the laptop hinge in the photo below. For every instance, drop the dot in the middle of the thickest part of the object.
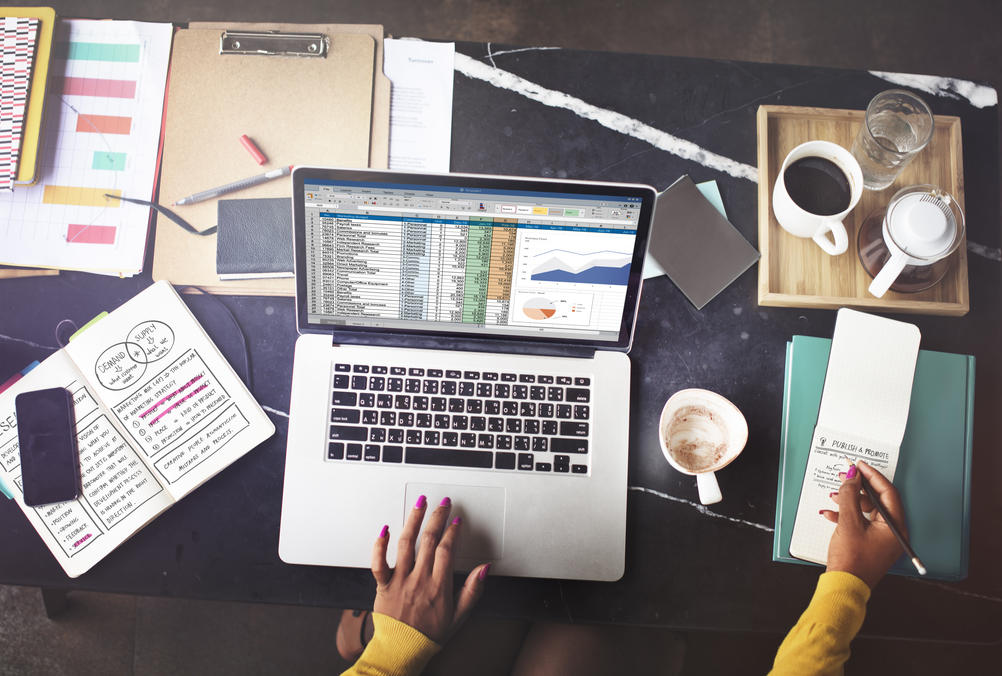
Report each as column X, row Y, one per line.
column 438, row 343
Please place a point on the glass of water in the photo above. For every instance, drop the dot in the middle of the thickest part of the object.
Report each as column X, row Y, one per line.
column 898, row 125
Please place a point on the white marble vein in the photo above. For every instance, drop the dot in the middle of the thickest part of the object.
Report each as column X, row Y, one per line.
column 610, row 119
column 984, row 251
column 491, row 54
column 978, row 95
column 12, row 339
column 702, row 509
column 269, row 409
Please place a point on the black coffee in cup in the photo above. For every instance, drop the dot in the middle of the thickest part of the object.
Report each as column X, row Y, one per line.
column 818, row 186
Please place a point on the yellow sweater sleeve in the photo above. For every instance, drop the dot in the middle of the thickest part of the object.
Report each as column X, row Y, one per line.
column 396, row 649
column 818, row 645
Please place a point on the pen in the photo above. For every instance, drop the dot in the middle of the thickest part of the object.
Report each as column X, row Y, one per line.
column 894, row 528
column 233, row 187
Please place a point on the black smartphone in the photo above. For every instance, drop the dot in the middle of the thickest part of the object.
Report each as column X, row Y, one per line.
column 46, row 432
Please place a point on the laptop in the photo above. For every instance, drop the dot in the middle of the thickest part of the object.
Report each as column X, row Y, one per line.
column 463, row 336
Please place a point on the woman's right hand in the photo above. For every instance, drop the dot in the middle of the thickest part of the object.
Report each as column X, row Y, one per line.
column 860, row 546
column 418, row 591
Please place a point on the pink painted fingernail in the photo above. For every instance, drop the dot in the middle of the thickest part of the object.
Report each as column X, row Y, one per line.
column 445, row 502
column 458, row 520
column 841, row 475
column 483, row 572
column 833, row 494
column 383, row 533
column 421, row 502
column 851, row 474
column 821, row 512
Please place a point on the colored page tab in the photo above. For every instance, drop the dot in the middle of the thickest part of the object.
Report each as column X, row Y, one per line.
column 108, row 160
column 96, row 51
column 104, row 124
column 82, row 197
column 93, row 86
column 90, row 234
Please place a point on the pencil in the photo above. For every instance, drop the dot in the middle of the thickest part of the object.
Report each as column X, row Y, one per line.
column 894, row 528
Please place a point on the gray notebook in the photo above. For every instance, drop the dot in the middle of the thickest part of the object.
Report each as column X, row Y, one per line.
column 254, row 238
column 698, row 248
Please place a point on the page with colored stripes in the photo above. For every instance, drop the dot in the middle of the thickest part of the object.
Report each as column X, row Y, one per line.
column 17, row 56
column 100, row 138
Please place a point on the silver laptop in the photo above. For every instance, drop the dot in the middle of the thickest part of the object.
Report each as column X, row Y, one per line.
column 463, row 336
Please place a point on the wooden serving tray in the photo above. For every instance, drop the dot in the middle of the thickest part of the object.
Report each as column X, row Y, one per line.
column 795, row 272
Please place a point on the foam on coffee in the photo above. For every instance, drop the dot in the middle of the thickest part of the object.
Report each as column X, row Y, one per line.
column 697, row 437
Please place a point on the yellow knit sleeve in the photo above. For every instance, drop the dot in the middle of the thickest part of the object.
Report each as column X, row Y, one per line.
column 396, row 649
column 819, row 643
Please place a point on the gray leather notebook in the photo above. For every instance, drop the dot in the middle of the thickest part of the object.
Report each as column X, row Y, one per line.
column 698, row 248
column 254, row 238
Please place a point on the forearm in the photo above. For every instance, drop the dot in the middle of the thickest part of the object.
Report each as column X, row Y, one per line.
column 819, row 643
column 395, row 650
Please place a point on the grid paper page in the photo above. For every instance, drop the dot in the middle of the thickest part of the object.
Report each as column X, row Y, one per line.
column 101, row 135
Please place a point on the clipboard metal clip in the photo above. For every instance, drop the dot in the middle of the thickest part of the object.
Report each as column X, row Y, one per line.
column 273, row 43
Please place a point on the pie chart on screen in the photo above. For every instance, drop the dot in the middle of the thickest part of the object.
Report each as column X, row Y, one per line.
column 538, row 308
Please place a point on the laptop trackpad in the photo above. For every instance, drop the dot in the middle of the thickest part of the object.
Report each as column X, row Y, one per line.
column 482, row 509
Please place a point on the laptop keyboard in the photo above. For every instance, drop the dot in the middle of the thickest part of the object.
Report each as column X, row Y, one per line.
column 514, row 422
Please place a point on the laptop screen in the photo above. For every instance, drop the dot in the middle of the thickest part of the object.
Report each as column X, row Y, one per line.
column 527, row 260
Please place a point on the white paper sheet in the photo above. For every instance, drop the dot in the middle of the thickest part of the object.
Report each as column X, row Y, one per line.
column 420, row 103
column 101, row 134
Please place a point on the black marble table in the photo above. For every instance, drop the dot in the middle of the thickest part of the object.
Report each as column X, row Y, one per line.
column 605, row 117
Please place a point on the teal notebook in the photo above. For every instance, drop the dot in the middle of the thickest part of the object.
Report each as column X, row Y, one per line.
column 934, row 466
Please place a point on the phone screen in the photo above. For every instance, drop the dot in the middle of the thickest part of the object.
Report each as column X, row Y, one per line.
column 50, row 465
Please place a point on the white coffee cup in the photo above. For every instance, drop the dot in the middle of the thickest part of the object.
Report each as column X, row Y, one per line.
column 800, row 222
column 701, row 432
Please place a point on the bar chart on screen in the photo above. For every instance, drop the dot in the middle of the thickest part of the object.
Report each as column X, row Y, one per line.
column 101, row 136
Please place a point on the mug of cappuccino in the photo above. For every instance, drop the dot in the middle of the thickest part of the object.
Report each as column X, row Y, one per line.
column 701, row 432
column 818, row 185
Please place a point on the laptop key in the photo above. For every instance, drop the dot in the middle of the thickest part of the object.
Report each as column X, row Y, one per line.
column 510, row 408
column 561, row 463
column 442, row 421
column 340, row 382
column 344, row 399
column 395, row 384
column 412, row 386
column 526, row 378
column 474, row 406
column 345, row 433
column 395, row 436
column 402, row 402
column 503, row 442
column 377, row 383
column 513, row 425
column 539, row 444
column 424, row 420
column 582, row 412
column 531, row 427
column 492, row 407
column 555, row 393
column 504, row 461
column 450, row 438
column 345, row 415
column 471, row 375
column 335, row 450
column 393, row 454
column 432, row 438
column 550, row 427
column 380, row 370
column 384, row 400
column 453, row 374
column 430, row 387
column 573, row 429
column 563, row 411
column 366, row 400
column 359, row 382
column 343, row 368
column 485, row 441
column 545, row 410
column 537, row 392
column 543, row 467
column 578, row 395
column 502, row 390
column 448, row 388
column 439, row 403
column 370, row 417
column 582, row 382
column 371, row 453
column 519, row 392
column 527, row 409
column 545, row 380
column 521, row 443
column 420, row 403
column 468, row 440
column 377, row 434
column 579, row 469
column 509, row 377
column 563, row 380
column 405, row 419
column 360, row 368
column 353, row 452
column 490, row 375
column 478, row 423
column 525, row 461
column 413, row 436
column 434, row 373
column 417, row 455
column 457, row 405
column 495, row 424
column 460, row 422
column 466, row 389
column 564, row 445
column 415, row 372
column 398, row 371
column 484, row 390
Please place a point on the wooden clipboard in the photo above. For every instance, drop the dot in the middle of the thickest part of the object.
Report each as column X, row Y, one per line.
column 300, row 110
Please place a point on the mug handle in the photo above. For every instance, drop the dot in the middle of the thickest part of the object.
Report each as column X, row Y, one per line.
column 892, row 268
column 709, row 489
column 841, row 242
